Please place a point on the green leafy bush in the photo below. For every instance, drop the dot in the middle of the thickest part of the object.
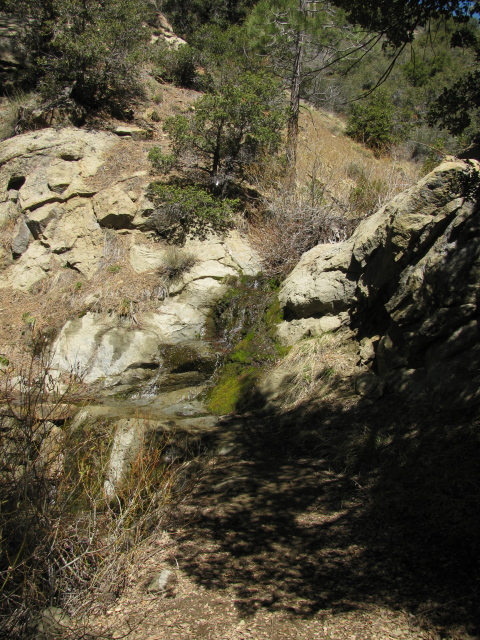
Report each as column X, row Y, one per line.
column 373, row 123
column 162, row 162
column 188, row 16
column 83, row 49
column 188, row 210
column 178, row 66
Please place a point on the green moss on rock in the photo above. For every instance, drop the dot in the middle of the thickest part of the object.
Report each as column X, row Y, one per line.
column 231, row 391
column 243, row 324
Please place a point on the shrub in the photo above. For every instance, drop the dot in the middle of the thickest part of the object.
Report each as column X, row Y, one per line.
column 188, row 210
column 84, row 49
column 162, row 162
column 178, row 66
column 374, row 124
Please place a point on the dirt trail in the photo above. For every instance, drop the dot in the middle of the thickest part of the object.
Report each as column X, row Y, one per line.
column 273, row 543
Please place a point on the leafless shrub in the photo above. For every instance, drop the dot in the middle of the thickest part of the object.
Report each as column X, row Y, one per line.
column 292, row 225
column 63, row 542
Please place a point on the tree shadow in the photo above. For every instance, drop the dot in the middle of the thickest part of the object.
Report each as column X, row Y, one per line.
column 329, row 509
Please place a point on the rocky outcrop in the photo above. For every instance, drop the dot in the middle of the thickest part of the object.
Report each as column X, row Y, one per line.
column 163, row 32
column 66, row 205
column 410, row 280
column 105, row 348
column 45, row 184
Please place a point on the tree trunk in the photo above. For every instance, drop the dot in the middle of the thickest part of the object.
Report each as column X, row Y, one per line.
column 295, row 82
column 216, row 159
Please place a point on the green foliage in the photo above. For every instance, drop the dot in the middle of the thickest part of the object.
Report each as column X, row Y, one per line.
column 398, row 19
column 224, row 54
column 188, row 16
column 276, row 26
column 458, row 107
column 373, row 123
column 417, row 77
column 192, row 208
column 84, row 49
column 162, row 162
column 300, row 40
column 230, row 126
column 178, row 66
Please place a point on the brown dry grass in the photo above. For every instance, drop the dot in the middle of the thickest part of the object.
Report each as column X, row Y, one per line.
column 339, row 182
column 318, row 365
column 64, row 540
column 328, row 155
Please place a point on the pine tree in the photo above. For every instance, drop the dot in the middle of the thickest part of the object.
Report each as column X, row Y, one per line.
column 301, row 39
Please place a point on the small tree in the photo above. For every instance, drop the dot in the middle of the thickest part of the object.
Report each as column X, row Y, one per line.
column 230, row 126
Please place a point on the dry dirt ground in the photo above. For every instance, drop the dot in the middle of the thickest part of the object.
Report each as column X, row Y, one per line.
column 279, row 540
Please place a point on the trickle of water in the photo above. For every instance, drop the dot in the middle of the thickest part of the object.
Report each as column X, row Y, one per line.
column 150, row 389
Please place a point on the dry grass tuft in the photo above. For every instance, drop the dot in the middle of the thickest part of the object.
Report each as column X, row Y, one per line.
column 318, row 364
column 177, row 262
column 13, row 113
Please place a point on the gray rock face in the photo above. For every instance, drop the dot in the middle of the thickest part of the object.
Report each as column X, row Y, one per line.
column 411, row 274
column 97, row 347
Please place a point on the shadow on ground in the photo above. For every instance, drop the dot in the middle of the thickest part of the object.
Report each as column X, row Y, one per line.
column 330, row 509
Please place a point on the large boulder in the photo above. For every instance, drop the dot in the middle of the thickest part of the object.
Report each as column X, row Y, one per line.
column 322, row 283
column 98, row 347
column 113, row 208
column 411, row 274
